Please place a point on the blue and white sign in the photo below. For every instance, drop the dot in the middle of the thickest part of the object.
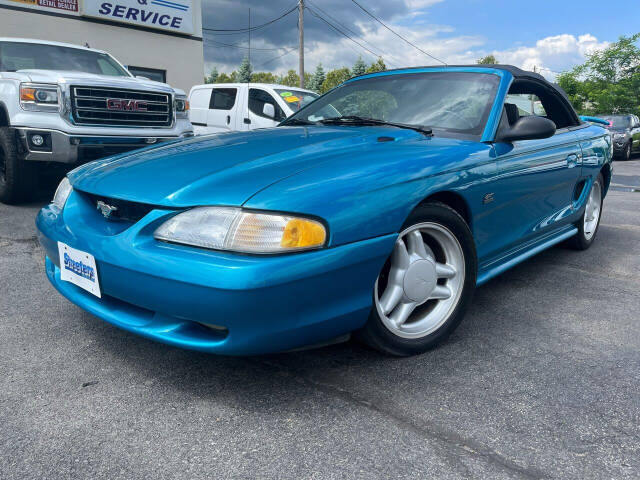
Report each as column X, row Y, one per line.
column 173, row 15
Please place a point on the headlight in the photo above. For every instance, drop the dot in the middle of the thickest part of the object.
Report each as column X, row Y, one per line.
column 62, row 193
column 234, row 229
column 41, row 97
column 181, row 106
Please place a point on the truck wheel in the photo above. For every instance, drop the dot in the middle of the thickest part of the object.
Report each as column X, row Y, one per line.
column 17, row 177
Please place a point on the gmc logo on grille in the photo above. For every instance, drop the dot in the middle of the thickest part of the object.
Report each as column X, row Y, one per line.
column 126, row 105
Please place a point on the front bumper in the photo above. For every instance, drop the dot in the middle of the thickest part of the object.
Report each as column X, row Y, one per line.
column 63, row 147
column 213, row 301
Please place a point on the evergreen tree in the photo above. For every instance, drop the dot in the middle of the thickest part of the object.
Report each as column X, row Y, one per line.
column 213, row 77
column 359, row 68
column 317, row 79
column 245, row 70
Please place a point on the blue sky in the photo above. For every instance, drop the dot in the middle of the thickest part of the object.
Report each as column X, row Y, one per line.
column 549, row 35
column 506, row 24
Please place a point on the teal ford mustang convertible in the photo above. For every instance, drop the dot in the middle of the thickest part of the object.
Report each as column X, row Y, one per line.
column 375, row 210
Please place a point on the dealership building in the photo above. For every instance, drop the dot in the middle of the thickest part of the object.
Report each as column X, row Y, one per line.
column 158, row 39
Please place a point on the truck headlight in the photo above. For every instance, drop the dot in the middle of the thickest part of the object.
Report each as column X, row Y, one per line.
column 234, row 229
column 39, row 97
column 181, row 106
column 62, row 193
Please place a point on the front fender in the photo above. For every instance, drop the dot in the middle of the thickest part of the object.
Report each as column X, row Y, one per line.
column 368, row 197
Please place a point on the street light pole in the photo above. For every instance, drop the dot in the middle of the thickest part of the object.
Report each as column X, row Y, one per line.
column 301, row 41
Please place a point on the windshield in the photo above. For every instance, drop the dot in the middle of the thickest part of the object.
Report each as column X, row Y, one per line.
column 453, row 102
column 618, row 121
column 296, row 99
column 22, row 56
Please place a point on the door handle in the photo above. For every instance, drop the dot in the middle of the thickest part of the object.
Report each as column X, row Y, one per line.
column 228, row 119
column 247, row 121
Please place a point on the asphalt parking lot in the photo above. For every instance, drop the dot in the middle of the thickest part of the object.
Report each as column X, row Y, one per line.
column 542, row 380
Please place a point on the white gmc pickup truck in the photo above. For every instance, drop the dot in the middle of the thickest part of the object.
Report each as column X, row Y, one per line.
column 69, row 104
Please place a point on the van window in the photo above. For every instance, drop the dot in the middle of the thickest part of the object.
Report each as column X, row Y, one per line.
column 222, row 98
column 200, row 98
column 257, row 100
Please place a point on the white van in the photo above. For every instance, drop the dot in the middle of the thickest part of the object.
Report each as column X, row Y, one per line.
column 220, row 107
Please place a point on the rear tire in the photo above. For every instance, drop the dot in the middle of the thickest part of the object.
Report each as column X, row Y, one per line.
column 590, row 219
column 431, row 274
column 17, row 177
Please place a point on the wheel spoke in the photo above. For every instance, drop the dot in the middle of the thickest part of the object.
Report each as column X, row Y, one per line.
column 441, row 292
column 402, row 312
column 400, row 257
column 445, row 271
column 416, row 244
column 390, row 297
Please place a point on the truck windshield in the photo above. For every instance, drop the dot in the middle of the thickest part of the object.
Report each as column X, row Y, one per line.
column 296, row 99
column 457, row 103
column 22, row 56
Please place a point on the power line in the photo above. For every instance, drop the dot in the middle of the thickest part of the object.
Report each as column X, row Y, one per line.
column 315, row 14
column 342, row 25
column 237, row 45
column 276, row 58
column 224, row 31
column 396, row 33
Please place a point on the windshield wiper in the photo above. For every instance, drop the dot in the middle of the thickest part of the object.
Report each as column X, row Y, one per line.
column 356, row 120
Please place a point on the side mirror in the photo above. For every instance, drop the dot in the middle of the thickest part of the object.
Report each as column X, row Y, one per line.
column 529, row 128
column 269, row 111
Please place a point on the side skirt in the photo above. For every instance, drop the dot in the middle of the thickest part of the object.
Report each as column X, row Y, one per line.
column 503, row 264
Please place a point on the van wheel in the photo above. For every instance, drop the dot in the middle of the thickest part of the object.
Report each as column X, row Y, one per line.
column 17, row 177
column 426, row 285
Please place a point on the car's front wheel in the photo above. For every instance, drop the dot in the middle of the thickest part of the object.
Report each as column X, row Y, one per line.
column 426, row 285
column 626, row 152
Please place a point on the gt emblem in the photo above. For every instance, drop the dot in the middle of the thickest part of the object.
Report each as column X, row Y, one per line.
column 126, row 105
column 105, row 209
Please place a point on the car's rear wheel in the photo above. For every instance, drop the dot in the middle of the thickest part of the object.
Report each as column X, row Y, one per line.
column 426, row 285
column 590, row 220
column 626, row 153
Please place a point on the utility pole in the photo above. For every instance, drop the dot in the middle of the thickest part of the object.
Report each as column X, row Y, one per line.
column 301, row 41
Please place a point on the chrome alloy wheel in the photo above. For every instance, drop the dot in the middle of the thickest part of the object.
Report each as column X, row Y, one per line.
column 592, row 210
column 423, row 283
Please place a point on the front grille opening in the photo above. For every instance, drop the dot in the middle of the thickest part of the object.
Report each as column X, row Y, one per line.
column 124, row 210
column 120, row 107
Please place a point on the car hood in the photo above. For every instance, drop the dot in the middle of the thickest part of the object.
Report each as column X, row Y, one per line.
column 83, row 78
column 229, row 168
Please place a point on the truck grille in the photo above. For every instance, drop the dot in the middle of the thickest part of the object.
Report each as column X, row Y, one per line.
column 119, row 107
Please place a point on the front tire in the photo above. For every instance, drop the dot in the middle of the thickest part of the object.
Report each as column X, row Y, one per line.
column 426, row 285
column 17, row 177
column 590, row 220
column 626, row 153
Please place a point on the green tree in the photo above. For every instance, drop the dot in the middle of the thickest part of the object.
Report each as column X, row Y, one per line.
column 264, row 77
column 359, row 68
column 335, row 78
column 244, row 72
column 488, row 60
column 317, row 79
column 213, row 76
column 233, row 77
column 291, row 79
column 608, row 82
column 377, row 66
column 223, row 78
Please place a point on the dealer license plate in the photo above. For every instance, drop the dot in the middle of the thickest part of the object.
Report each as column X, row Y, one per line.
column 79, row 268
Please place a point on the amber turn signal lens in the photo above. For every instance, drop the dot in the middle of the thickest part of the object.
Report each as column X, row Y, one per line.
column 300, row 233
column 28, row 94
